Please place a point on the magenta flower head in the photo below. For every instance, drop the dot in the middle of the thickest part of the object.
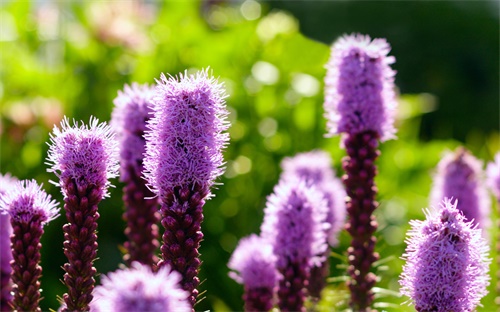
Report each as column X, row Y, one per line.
column 187, row 133
column 359, row 87
column 7, row 182
column 138, row 289
column 29, row 208
column 459, row 175
column 493, row 176
column 84, row 158
column 183, row 158
column 446, row 262
column 87, row 155
column 294, row 224
column 254, row 263
column 130, row 115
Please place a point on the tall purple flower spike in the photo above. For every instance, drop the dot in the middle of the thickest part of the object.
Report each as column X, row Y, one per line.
column 7, row 182
column 459, row 175
column 446, row 262
column 84, row 158
column 254, row 264
column 360, row 103
column 138, row 289
column 183, row 158
column 315, row 168
column 493, row 182
column 294, row 224
column 30, row 208
column 130, row 115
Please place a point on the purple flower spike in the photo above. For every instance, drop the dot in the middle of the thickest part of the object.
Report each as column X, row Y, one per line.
column 7, row 182
column 315, row 168
column 446, row 262
column 139, row 289
column 130, row 115
column 493, row 176
column 255, row 261
column 84, row 158
column 360, row 103
column 294, row 224
column 183, row 158
column 359, row 92
column 460, row 175
column 30, row 208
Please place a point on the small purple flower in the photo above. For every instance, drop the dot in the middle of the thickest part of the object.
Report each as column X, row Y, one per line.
column 138, row 289
column 7, row 182
column 493, row 176
column 84, row 158
column 183, row 158
column 446, row 262
column 459, row 175
column 359, row 87
column 130, row 115
column 255, row 261
column 187, row 133
column 294, row 224
column 29, row 208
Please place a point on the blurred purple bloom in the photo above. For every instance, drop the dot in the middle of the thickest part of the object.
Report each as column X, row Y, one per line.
column 30, row 208
column 7, row 182
column 359, row 87
column 493, row 176
column 138, row 289
column 85, row 154
column 459, row 175
column 316, row 168
column 129, row 118
column 186, row 137
column 446, row 262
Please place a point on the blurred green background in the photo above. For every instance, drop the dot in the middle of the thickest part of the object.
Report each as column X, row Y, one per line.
column 71, row 57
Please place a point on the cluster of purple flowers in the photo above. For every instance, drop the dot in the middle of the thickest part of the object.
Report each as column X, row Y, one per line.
column 166, row 144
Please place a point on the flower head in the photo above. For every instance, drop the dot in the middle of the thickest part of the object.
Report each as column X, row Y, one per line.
column 359, row 92
column 315, row 168
column 493, row 175
column 85, row 154
column 459, row 175
column 186, row 137
column 129, row 117
column 446, row 262
column 294, row 223
column 26, row 201
column 7, row 183
column 255, row 261
column 138, row 289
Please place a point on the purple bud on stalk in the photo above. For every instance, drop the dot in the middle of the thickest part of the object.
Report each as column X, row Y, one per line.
column 183, row 158
column 139, row 289
column 459, row 175
column 294, row 224
column 83, row 158
column 7, row 182
column 29, row 208
column 254, row 263
column 360, row 103
column 446, row 262
column 129, row 118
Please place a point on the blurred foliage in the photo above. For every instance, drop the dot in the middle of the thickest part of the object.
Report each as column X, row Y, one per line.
column 71, row 57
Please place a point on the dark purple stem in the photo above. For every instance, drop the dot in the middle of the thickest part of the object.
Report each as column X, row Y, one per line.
column 26, row 269
column 292, row 288
column 142, row 217
column 80, row 244
column 359, row 165
column 182, row 214
column 258, row 299
column 317, row 279
column 6, row 288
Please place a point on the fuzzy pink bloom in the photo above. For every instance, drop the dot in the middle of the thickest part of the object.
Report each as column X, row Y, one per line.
column 359, row 87
column 493, row 175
